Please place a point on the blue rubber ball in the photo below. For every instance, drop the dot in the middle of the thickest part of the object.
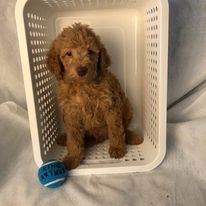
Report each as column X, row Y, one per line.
column 52, row 174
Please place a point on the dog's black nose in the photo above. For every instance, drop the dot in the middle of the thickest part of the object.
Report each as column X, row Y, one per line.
column 82, row 71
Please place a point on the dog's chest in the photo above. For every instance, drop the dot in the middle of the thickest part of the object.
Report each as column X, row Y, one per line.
column 91, row 105
column 90, row 102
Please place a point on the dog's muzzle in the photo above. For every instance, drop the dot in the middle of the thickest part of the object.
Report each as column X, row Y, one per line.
column 82, row 71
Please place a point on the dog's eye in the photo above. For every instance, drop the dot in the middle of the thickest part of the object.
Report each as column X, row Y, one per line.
column 90, row 52
column 69, row 53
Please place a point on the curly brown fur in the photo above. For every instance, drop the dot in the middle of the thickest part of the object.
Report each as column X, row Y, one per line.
column 90, row 96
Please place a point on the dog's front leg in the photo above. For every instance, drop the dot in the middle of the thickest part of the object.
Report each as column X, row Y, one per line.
column 75, row 137
column 116, row 133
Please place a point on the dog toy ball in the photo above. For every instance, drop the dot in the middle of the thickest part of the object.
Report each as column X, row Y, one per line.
column 52, row 174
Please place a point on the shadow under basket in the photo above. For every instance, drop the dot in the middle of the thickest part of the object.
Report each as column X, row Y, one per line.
column 135, row 33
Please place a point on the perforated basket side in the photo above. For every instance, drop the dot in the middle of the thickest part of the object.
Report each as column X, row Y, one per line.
column 152, row 71
column 92, row 4
column 155, row 78
column 34, row 35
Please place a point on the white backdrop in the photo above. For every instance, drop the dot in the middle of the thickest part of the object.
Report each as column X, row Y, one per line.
column 180, row 180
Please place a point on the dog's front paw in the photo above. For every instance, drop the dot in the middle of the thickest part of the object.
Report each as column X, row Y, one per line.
column 71, row 162
column 116, row 152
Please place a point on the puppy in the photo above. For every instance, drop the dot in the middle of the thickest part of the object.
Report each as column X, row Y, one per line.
column 94, row 105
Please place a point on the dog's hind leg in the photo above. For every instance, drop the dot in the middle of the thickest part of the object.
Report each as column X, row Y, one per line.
column 133, row 138
column 62, row 139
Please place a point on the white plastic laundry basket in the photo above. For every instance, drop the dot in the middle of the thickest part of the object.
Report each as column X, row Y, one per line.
column 135, row 33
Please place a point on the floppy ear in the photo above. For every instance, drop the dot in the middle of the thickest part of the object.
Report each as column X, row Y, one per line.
column 103, row 60
column 54, row 63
